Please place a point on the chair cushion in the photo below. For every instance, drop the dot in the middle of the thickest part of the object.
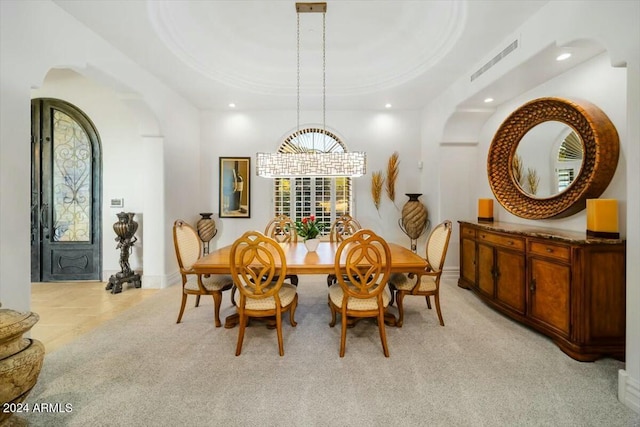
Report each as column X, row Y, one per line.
column 287, row 293
column 403, row 283
column 353, row 303
column 213, row 282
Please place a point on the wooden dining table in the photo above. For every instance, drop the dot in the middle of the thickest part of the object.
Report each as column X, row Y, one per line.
column 300, row 261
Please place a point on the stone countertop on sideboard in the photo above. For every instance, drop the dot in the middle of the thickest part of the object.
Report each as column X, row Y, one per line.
column 541, row 232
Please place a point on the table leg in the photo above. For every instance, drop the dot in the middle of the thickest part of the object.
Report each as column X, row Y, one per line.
column 390, row 319
column 231, row 321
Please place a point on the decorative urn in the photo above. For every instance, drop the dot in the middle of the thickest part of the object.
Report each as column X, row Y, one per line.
column 206, row 227
column 414, row 218
column 20, row 359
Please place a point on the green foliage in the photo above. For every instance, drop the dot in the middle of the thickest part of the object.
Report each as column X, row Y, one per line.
column 309, row 228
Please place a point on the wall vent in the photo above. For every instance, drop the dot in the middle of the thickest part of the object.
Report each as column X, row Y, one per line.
column 513, row 46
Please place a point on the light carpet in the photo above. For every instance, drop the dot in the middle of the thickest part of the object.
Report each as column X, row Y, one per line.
column 480, row 369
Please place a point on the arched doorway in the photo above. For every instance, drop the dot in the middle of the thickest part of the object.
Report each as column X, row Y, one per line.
column 66, row 199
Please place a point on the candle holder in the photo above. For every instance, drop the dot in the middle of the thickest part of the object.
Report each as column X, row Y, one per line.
column 485, row 210
column 602, row 218
column 125, row 229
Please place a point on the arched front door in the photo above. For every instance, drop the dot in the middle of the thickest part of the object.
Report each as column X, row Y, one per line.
column 66, row 182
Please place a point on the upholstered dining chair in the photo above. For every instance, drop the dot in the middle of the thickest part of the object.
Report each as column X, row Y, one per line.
column 342, row 227
column 428, row 283
column 254, row 260
column 362, row 269
column 282, row 229
column 188, row 248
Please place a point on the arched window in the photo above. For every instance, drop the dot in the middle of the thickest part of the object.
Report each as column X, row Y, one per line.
column 568, row 161
column 324, row 197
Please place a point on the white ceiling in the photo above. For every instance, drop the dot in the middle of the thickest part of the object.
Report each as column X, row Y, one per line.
column 377, row 52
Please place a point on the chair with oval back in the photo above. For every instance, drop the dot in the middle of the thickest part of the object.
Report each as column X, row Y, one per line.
column 258, row 267
column 342, row 228
column 362, row 269
column 188, row 248
column 282, row 229
column 428, row 283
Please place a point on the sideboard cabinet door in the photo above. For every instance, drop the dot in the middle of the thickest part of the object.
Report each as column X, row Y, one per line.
column 486, row 270
column 549, row 294
column 468, row 257
column 510, row 279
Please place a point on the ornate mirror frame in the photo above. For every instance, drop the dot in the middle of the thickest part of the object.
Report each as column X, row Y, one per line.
column 601, row 151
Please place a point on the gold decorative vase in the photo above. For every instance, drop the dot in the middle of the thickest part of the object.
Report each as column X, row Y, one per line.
column 20, row 359
column 414, row 218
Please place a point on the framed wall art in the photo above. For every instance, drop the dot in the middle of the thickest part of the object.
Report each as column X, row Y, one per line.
column 235, row 185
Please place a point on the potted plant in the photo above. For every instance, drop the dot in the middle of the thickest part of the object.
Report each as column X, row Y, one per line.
column 309, row 229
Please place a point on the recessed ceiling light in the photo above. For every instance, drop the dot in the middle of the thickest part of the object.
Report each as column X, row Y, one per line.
column 563, row 56
column 488, row 100
column 232, row 105
column 387, row 105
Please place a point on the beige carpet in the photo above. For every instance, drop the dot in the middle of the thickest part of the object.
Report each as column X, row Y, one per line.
column 481, row 369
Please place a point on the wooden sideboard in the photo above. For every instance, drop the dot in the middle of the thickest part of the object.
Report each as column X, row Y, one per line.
column 560, row 283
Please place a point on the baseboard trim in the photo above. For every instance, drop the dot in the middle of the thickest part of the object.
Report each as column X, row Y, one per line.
column 629, row 391
column 152, row 282
column 172, row 279
column 450, row 273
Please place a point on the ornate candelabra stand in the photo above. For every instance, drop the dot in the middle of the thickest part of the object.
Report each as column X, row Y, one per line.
column 206, row 230
column 125, row 230
column 414, row 220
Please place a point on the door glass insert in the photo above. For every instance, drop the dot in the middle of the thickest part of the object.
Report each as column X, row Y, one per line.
column 71, row 180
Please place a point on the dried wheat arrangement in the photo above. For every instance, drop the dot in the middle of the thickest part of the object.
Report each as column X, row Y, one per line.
column 376, row 187
column 533, row 179
column 517, row 169
column 392, row 175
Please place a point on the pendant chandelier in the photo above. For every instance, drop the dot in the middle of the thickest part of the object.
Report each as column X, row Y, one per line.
column 314, row 161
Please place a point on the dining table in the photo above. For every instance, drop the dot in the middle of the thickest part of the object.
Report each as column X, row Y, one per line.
column 301, row 261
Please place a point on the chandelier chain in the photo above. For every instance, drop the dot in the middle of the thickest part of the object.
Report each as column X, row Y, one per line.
column 298, row 71
column 324, row 79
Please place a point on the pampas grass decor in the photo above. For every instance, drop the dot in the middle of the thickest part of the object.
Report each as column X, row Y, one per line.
column 392, row 175
column 517, row 169
column 533, row 179
column 376, row 188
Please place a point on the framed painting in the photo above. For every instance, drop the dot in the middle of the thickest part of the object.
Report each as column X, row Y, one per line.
column 235, row 186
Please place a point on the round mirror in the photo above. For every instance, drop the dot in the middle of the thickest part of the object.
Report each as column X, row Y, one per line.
column 551, row 155
column 548, row 158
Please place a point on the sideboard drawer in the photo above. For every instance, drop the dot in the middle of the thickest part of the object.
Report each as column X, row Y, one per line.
column 468, row 232
column 561, row 252
column 510, row 242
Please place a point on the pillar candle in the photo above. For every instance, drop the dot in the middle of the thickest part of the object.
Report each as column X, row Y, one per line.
column 602, row 218
column 485, row 209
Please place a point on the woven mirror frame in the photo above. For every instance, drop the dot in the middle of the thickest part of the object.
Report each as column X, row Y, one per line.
column 601, row 150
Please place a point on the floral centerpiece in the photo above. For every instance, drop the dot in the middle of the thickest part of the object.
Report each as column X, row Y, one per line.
column 309, row 228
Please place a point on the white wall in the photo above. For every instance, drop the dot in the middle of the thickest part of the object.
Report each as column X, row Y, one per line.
column 594, row 81
column 36, row 37
column 121, row 146
column 379, row 134
column 616, row 91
